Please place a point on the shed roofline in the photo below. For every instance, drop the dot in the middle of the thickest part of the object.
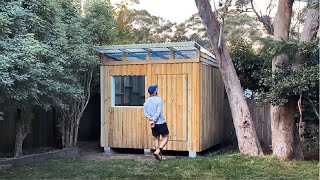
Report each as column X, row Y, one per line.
column 104, row 49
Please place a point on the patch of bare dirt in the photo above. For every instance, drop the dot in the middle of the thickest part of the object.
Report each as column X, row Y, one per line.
column 102, row 156
column 29, row 151
column 93, row 151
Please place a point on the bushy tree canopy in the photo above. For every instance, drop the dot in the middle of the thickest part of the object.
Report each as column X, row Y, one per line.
column 46, row 56
column 33, row 70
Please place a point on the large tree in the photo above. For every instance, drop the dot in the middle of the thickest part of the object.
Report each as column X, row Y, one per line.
column 282, row 117
column 248, row 142
column 286, row 143
column 32, row 70
column 47, row 60
column 82, row 33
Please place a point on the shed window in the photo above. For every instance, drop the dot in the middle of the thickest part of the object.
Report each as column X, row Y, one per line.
column 128, row 90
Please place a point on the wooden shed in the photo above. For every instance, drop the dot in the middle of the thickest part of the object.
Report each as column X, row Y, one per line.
column 188, row 81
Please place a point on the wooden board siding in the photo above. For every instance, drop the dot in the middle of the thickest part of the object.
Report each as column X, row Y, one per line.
column 212, row 99
column 261, row 118
column 175, row 101
column 206, row 59
column 126, row 127
column 192, row 70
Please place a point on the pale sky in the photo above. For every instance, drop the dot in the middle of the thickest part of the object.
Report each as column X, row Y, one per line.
column 174, row 10
column 179, row 10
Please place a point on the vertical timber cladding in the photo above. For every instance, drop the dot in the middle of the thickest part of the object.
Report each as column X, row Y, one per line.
column 179, row 86
column 212, row 102
column 126, row 127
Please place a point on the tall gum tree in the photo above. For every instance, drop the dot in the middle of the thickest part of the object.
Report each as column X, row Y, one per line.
column 248, row 142
column 285, row 141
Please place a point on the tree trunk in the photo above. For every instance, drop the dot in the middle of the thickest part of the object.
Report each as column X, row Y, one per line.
column 283, row 126
column 75, row 140
column 67, row 134
column 310, row 30
column 70, row 129
column 71, row 135
column 248, row 142
column 24, row 118
column 71, row 118
column 308, row 33
column 63, row 132
column 20, row 136
column 282, row 117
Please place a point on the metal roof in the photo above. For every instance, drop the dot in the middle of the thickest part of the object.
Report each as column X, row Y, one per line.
column 182, row 50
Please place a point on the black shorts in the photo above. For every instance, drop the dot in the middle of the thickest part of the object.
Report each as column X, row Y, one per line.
column 160, row 129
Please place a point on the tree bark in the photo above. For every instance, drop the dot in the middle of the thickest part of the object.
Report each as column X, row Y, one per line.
column 75, row 140
column 63, row 132
column 248, row 142
column 70, row 118
column 71, row 135
column 308, row 33
column 24, row 118
column 310, row 30
column 283, row 127
column 67, row 135
column 20, row 136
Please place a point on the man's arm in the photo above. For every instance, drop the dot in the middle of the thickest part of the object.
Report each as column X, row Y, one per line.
column 150, row 119
column 159, row 109
column 146, row 113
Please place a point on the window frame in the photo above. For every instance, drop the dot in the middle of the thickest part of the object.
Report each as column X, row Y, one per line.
column 113, row 90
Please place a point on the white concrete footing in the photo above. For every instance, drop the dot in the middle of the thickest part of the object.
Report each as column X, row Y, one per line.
column 193, row 154
column 147, row 151
column 108, row 150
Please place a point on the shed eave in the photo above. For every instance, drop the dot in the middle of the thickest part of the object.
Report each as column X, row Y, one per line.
column 143, row 46
column 146, row 47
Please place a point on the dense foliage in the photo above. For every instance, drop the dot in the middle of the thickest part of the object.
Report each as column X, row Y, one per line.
column 248, row 63
column 33, row 62
column 42, row 43
column 46, row 50
column 254, row 70
column 287, row 83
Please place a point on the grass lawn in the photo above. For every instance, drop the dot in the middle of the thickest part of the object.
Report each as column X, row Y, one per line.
column 227, row 166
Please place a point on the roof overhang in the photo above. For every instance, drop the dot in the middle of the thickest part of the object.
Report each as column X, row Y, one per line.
column 155, row 48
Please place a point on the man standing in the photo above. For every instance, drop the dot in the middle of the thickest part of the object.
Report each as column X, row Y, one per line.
column 153, row 111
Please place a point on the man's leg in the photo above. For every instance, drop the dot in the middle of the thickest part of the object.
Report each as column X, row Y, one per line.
column 156, row 142
column 164, row 132
column 164, row 141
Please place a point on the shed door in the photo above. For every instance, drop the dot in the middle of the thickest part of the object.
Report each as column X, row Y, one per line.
column 172, row 88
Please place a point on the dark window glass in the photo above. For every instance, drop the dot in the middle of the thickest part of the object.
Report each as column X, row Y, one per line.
column 129, row 90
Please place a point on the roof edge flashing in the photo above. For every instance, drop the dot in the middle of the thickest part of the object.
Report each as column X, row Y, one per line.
column 171, row 45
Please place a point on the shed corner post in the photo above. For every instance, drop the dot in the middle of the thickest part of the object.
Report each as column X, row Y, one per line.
column 102, row 104
column 198, row 54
